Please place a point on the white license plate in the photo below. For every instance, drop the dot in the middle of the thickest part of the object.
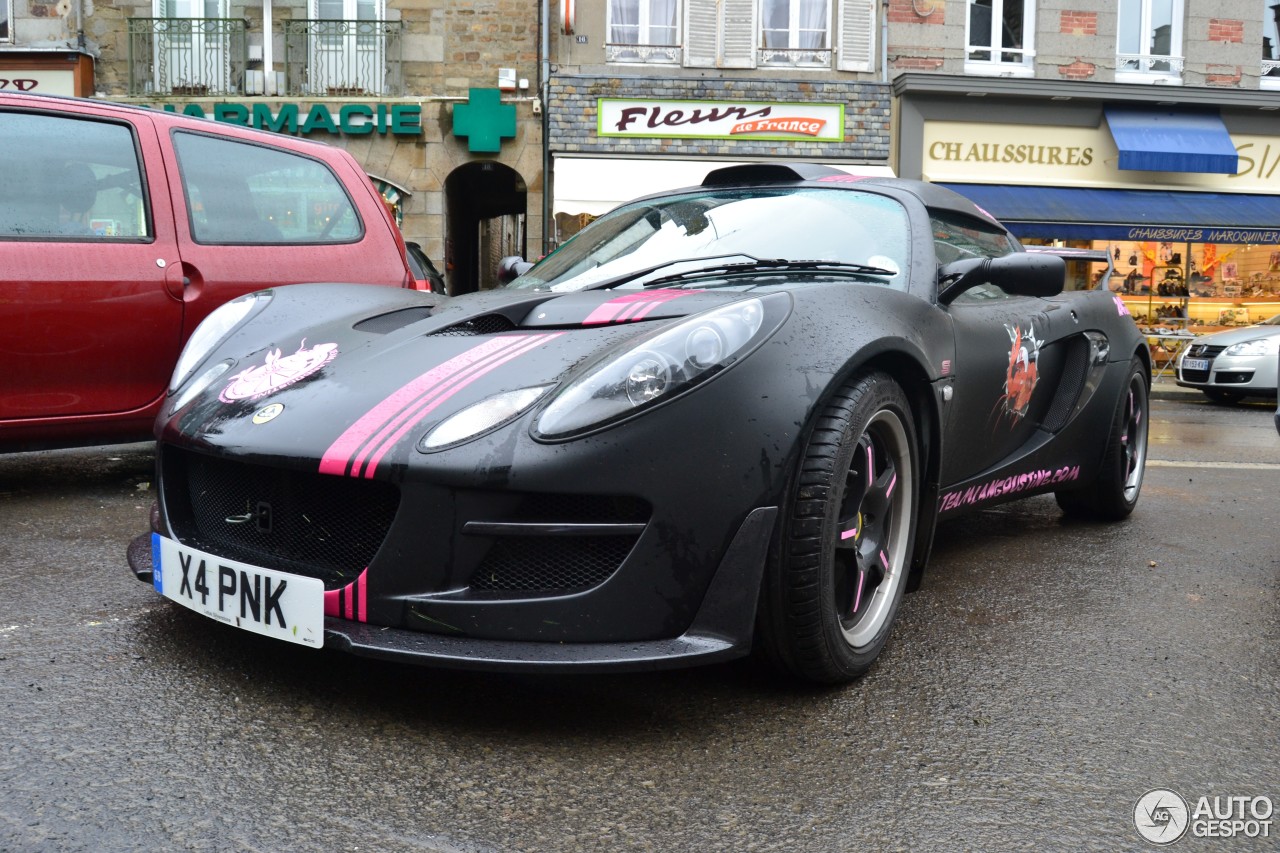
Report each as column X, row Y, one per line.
column 287, row 607
column 1195, row 364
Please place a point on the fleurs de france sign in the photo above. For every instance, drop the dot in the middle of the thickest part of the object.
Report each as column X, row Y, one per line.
column 752, row 120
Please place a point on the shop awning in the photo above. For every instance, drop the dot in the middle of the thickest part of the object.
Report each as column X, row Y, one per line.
column 1070, row 213
column 1172, row 141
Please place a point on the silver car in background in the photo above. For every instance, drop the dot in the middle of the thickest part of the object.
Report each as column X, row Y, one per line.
column 1229, row 366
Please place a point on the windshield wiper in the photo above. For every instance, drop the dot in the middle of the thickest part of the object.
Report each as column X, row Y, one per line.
column 772, row 265
column 623, row 278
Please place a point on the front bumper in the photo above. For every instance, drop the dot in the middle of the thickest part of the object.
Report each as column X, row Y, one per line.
column 721, row 630
column 1246, row 375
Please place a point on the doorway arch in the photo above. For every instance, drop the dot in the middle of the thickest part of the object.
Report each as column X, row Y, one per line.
column 485, row 213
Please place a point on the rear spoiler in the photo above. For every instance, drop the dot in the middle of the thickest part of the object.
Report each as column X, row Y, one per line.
column 1090, row 256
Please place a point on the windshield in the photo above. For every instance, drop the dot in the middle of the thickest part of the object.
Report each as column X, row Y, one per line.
column 681, row 233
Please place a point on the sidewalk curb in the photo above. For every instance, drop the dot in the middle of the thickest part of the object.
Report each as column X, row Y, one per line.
column 1166, row 389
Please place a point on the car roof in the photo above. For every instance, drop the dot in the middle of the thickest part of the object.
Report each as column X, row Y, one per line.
column 65, row 103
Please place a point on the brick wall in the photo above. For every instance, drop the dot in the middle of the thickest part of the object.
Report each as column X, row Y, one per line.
column 1078, row 23
column 1221, row 29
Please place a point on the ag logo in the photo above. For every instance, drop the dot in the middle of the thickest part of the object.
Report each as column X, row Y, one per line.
column 1161, row 816
column 267, row 413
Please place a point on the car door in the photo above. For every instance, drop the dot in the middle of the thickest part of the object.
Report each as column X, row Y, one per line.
column 89, row 322
column 252, row 215
column 1009, row 359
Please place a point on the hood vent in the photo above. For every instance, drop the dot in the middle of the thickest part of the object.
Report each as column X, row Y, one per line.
column 385, row 324
column 487, row 324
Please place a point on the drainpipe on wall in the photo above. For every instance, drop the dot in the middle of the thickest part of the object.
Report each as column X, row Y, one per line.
column 268, row 52
column 544, row 85
column 884, row 42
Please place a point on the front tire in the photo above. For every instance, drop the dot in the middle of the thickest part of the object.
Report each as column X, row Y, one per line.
column 831, row 598
column 1114, row 494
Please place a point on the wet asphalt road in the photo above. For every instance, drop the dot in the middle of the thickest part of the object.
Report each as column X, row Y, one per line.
column 1045, row 677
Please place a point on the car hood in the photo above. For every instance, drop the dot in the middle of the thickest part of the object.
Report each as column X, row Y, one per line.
column 1238, row 336
column 331, row 374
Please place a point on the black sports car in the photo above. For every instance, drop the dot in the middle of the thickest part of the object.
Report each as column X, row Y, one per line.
column 717, row 419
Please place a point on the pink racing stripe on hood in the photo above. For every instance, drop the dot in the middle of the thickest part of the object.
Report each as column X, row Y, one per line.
column 633, row 306
column 374, row 432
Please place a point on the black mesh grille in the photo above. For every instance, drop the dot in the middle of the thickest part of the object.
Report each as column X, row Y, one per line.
column 557, row 564
column 581, row 509
column 1073, row 373
column 384, row 324
column 488, row 324
column 1204, row 351
column 1233, row 377
column 1195, row 376
column 314, row 525
column 551, row 563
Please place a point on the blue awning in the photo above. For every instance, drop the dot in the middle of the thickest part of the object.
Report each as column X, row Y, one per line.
column 1172, row 141
column 1069, row 213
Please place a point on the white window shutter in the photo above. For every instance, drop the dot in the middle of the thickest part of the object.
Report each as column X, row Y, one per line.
column 740, row 34
column 701, row 23
column 857, row 28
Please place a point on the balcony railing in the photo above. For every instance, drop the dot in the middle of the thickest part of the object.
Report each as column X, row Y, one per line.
column 796, row 57
column 334, row 58
column 196, row 57
column 1147, row 63
column 654, row 53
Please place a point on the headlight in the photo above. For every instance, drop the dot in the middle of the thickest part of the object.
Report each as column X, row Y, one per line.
column 1261, row 346
column 197, row 386
column 661, row 366
column 481, row 417
column 213, row 329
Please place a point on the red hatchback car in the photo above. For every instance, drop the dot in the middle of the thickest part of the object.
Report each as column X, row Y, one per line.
column 121, row 228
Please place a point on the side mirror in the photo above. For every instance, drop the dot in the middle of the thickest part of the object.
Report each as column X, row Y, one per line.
column 1018, row 274
column 511, row 268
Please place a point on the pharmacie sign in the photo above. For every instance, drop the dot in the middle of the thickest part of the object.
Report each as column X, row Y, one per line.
column 352, row 119
column 751, row 120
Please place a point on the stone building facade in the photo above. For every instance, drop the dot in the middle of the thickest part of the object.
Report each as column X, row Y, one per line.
column 461, row 189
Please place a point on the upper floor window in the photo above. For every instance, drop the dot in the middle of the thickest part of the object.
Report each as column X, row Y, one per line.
column 1150, row 41
column 795, row 32
column 6, row 15
column 1270, row 44
column 643, row 31
column 1000, row 36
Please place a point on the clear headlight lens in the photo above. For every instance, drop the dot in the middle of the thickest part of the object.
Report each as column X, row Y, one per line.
column 661, row 366
column 481, row 417
column 213, row 329
column 1261, row 346
column 198, row 385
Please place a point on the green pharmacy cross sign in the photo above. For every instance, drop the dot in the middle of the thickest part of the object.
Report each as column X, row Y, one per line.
column 484, row 120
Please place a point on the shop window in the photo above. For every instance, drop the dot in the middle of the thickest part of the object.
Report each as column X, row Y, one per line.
column 244, row 194
column 70, row 179
column 1000, row 37
column 643, row 31
column 1270, row 45
column 1149, row 47
column 795, row 32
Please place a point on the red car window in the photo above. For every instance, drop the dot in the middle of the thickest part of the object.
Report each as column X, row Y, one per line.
column 242, row 193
